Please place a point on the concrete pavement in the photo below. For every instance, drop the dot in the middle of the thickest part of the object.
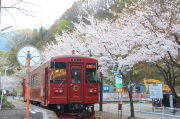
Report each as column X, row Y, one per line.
column 146, row 109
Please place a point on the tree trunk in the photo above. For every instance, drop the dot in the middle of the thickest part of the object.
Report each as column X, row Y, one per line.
column 170, row 82
column 101, row 94
column 130, row 93
column 131, row 102
column 175, row 96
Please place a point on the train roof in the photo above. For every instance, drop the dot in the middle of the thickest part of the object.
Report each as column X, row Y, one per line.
column 72, row 56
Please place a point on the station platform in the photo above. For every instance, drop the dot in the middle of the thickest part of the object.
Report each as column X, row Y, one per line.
column 20, row 111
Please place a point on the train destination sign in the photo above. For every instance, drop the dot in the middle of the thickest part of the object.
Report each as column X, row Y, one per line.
column 75, row 60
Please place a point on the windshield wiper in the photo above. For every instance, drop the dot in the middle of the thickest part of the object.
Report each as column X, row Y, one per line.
column 61, row 82
column 89, row 82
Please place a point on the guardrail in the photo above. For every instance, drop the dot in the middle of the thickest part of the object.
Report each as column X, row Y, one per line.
column 15, row 97
column 166, row 111
column 127, row 100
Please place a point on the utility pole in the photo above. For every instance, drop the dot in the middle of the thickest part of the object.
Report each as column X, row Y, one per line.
column 101, row 91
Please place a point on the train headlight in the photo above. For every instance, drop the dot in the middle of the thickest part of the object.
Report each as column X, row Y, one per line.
column 90, row 90
column 95, row 91
column 60, row 91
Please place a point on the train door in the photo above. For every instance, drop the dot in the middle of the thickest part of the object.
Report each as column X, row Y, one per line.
column 46, row 85
column 76, row 76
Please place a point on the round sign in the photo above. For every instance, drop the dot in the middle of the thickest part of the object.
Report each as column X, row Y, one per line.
column 75, row 88
column 34, row 55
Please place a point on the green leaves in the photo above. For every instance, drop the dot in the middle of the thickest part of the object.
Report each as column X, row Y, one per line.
column 64, row 25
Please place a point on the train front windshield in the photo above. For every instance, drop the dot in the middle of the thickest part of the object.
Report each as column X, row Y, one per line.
column 92, row 73
column 58, row 72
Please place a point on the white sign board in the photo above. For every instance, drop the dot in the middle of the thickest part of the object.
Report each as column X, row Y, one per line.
column 155, row 90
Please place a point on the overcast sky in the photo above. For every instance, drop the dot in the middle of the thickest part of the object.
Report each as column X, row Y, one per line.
column 45, row 12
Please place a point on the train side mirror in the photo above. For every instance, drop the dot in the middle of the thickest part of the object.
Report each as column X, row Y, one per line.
column 100, row 74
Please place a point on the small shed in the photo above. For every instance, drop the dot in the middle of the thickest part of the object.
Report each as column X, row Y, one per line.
column 108, row 88
column 140, row 88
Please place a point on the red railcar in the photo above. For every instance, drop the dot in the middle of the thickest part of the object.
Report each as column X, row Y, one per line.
column 68, row 83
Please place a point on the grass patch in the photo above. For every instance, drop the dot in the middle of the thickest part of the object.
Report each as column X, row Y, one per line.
column 7, row 105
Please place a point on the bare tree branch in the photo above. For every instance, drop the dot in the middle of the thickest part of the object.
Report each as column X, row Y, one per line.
column 22, row 10
column 16, row 3
column 172, row 60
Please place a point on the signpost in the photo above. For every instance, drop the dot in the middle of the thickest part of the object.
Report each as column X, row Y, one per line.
column 120, row 108
column 119, row 84
column 28, row 56
column 118, row 81
column 155, row 91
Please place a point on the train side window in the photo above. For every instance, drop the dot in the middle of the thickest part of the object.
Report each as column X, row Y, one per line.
column 42, row 77
column 58, row 72
column 75, row 75
column 91, row 73
column 34, row 80
column 31, row 81
column 37, row 80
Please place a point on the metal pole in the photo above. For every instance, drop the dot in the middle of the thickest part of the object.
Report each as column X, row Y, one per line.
column 163, row 113
column 28, row 65
column 3, row 87
column 100, row 104
column 139, row 110
column 107, row 106
column 101, row 91
column 161, row 104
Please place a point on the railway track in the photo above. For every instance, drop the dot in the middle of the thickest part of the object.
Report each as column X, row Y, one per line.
column 67, row 116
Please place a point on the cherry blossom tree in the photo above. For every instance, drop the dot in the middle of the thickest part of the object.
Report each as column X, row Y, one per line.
column 148, row 33
column 13, row 83
column 162, row 23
